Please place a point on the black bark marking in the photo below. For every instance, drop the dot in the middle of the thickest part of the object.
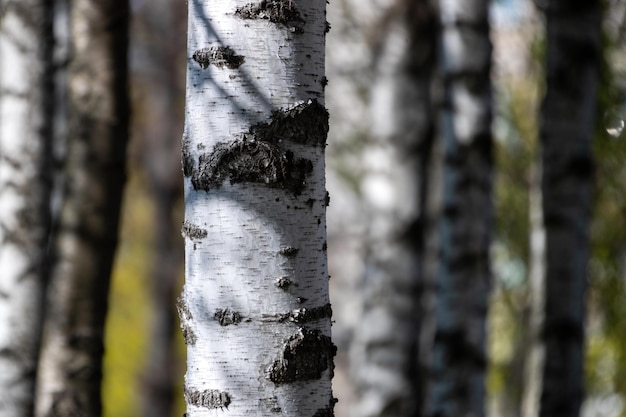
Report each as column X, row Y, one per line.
column 303, row 315
column 289, row 252
column 219, row 56
column 306, row 123
column 193, row 232
column 327, row 199
column 305, row 356
column 208, row 398
column 227, row 317
column 187, row 160
column 282, row 12
column 249, row 160
column 258, row 156
column 327, row 411
column 184, row 315
column 283, row 283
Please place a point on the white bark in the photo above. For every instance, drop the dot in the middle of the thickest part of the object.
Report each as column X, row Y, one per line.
column 384, row 349
column 255, row 310
column 25, row 133
column 535, row 357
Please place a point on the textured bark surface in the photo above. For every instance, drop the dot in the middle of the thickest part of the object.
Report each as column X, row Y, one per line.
column 254, row 306
column 457, row 386
column 26, row 97
column 384, row 350
column 567, row 124
column 71, row 358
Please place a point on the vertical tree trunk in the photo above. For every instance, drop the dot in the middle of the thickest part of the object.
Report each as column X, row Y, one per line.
column 535, row 350
column 567, row 126
column 384, row 349
column 26, row 94
column 255, row 310
column 457, row 387
column 160, row 76
column 72, row 347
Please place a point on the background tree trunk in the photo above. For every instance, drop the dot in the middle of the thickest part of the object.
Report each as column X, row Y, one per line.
column 457, row 387
column 384, row 349
column 71, row 357
column 255, row 310
column 567, row 126
column 159, row 65
column 26, row 118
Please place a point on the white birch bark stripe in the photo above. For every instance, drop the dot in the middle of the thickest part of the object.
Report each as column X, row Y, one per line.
column 256, row 288
column 23, row 225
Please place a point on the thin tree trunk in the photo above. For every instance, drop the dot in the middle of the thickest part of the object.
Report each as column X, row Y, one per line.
column 384, row 349
column 457, row 386
column 255, row 310
column 535, row 350
column 567, row 126
column 26, row 119
column 72, row 347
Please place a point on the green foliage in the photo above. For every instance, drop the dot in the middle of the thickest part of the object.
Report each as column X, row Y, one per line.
column 127, row 322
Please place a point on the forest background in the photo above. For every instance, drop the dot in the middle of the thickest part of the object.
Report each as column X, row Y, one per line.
column 144, row 362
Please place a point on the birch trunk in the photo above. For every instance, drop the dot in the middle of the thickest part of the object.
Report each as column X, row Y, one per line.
column 384, row 350
column 26, row 116
column 70, row 367
column 255, row 310
column 535, row 356
column 457, row 386
column 567, row 126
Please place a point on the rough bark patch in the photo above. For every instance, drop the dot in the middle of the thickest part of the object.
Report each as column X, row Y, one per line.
column 305, row 123
column 227, row 317
column 305, row 356
column 283, row 283
column 219, row 56
column 289, row 252
column 247, row 160
column 208, row 398
column 184, row 314
column 187, row 160
column 281, row 12
column 193, row 232
column 303, row 315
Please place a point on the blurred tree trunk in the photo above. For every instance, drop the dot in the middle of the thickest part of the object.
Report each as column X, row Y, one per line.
column 26, row 119
column 535, row 350
column 255, row 310
column 457, row 385
column 70, row 366
column 384, row 349
column 567, row 125
column 160, row 77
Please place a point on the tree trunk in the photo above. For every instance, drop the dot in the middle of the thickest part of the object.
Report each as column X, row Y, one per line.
column 72, row 347
column 457, row 386
column 567, row 126
column 159, row 75
column 384, row 349
column 26, row 118
column 535, row 350
column 255, row 310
